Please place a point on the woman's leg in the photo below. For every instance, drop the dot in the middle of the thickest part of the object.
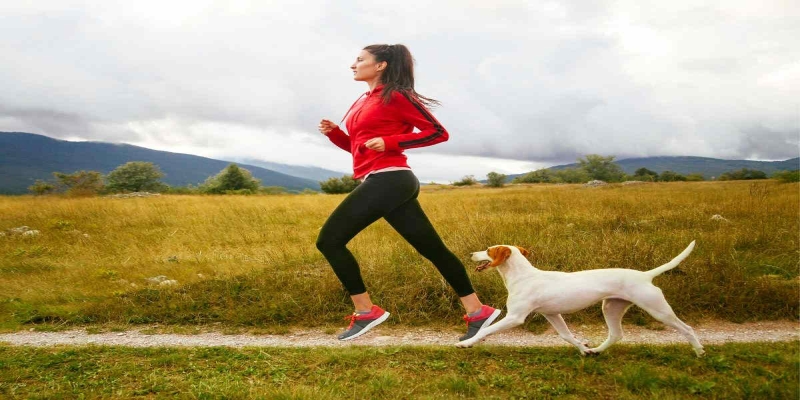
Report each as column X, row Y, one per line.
column 366, row 204
column 411, row 222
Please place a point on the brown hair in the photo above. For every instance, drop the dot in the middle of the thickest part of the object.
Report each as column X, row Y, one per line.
column 399, row 73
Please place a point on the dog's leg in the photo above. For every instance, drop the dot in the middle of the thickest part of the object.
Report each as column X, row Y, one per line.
column 561, row 327
column 613, row 310
column 652, row 300
column 510, row 321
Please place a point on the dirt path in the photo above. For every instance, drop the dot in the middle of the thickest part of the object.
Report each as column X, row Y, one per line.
column 709, row 333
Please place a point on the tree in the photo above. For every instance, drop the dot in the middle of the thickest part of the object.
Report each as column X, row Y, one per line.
column 645, row 174
column 571, row 175
column 233, row 180
column 787, row 176
column 538, row 176
column 695, row 177
column 135, row 176
column 669, row 176
column 41, row 187
column 468, row 180
column 80, row 183
column 496, row 179
column 601, row 168
column 742, row 174
column 345, row 184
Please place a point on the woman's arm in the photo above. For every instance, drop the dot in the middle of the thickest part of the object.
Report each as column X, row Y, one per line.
column 335, row 134
column 415, row 113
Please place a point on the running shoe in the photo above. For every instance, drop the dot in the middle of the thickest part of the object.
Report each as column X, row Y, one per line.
column 362, row 323
column 480, row 321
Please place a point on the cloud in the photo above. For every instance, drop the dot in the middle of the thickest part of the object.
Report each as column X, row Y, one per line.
column 522, row 82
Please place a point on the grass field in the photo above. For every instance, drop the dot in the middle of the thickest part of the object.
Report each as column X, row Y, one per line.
column 732, row 371
column 251, row 260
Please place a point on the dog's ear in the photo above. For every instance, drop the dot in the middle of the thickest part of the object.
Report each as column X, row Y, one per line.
column 523, row 251
column 499, row 255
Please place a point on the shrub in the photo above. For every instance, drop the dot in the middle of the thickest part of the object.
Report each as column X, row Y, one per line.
column 695, row 177
column 572, row 175
column 670, row 176
column 742, row 174
column 601, row 168
column 644, row 174
column 538, row 176
column 468, row 180
column 136, row 176
column 41, row 187
column 80, row 183
column 787, row 176
column 495, row 179
column 230, row 180
column 345, row 184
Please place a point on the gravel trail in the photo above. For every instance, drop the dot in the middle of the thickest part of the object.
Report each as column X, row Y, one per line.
column 717, row 332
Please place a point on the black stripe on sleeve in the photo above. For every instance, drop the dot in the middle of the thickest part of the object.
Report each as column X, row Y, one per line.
column 429, row 117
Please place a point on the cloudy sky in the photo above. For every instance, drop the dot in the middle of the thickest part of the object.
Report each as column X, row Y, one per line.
column 524, row 84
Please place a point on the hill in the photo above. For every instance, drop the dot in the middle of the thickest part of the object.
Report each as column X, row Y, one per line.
column 313, row 173
column 25, row 157
column 708, row 167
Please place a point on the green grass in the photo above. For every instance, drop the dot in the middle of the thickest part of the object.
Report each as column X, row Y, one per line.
column 251, row 261
column 732, row 371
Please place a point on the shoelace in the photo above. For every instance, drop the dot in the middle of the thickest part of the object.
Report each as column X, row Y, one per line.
column 352, row 318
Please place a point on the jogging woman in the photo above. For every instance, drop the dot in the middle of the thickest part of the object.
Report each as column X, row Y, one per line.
column 380, row 126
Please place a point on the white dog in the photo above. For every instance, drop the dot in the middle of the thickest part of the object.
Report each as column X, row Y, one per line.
column 552, row 293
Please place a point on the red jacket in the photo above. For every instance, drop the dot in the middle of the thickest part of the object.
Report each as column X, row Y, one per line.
column 369, row 118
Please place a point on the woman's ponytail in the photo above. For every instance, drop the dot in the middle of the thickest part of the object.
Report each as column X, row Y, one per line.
column 399, row 73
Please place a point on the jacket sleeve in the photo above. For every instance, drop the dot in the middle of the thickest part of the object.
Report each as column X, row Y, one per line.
column 413, row 112
column 339, row 138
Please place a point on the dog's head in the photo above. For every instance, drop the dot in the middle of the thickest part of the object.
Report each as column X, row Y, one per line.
column 496, row 255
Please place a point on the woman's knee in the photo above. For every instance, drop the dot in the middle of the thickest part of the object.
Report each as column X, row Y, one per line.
column 326, row 243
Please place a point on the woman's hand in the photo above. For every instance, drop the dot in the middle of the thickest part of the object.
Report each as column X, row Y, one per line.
column 376, row 144
column 326, row 126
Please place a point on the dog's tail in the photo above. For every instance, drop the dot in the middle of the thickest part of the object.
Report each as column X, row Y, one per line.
column 672, row 264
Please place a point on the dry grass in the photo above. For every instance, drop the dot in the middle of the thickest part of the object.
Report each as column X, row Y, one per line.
column 251, row 260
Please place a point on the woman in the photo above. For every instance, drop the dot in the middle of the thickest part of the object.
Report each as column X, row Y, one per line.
column 380, row 125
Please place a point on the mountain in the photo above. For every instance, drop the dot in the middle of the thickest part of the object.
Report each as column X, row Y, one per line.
column 313, row 173
column 709, row 167
column 25, row 157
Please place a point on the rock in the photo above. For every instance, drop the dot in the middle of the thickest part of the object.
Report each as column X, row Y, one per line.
column 168, row 282
column 157, row 279
column 717, row 217
column 20, row 230
column 30, row 233
column 595, row 183
column 627, row 183
column 134, row 194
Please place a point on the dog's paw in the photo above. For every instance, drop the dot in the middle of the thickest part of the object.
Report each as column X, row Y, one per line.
column 591, row 353
column 465, row 344
column 699, row 352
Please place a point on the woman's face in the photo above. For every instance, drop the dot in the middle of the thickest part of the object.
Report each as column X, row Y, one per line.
column 365, row 68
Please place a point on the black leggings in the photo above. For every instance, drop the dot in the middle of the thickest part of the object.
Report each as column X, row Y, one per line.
column 393, row 196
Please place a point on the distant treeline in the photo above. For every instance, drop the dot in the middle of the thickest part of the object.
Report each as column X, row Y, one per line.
column 140, row 176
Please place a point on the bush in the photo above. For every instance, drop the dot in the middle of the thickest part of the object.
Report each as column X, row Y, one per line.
column 41, row 187
column 345, row 184
column 695, row 177
column 787, row 176
column 538, row 176
column 742, row 174
column 670, row 176
column 80, row 183
column 136, row 176
column 229, row 181
column 468, row 180
column 645, row 175
column 496, row 179
column 601, row 168
column 572, row 175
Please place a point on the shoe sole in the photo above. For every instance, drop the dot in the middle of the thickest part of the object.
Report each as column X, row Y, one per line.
column 367, row 328
column 495, row 314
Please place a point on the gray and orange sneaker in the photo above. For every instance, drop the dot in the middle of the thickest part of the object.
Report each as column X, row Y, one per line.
column 484, row 318
column 362, row 323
